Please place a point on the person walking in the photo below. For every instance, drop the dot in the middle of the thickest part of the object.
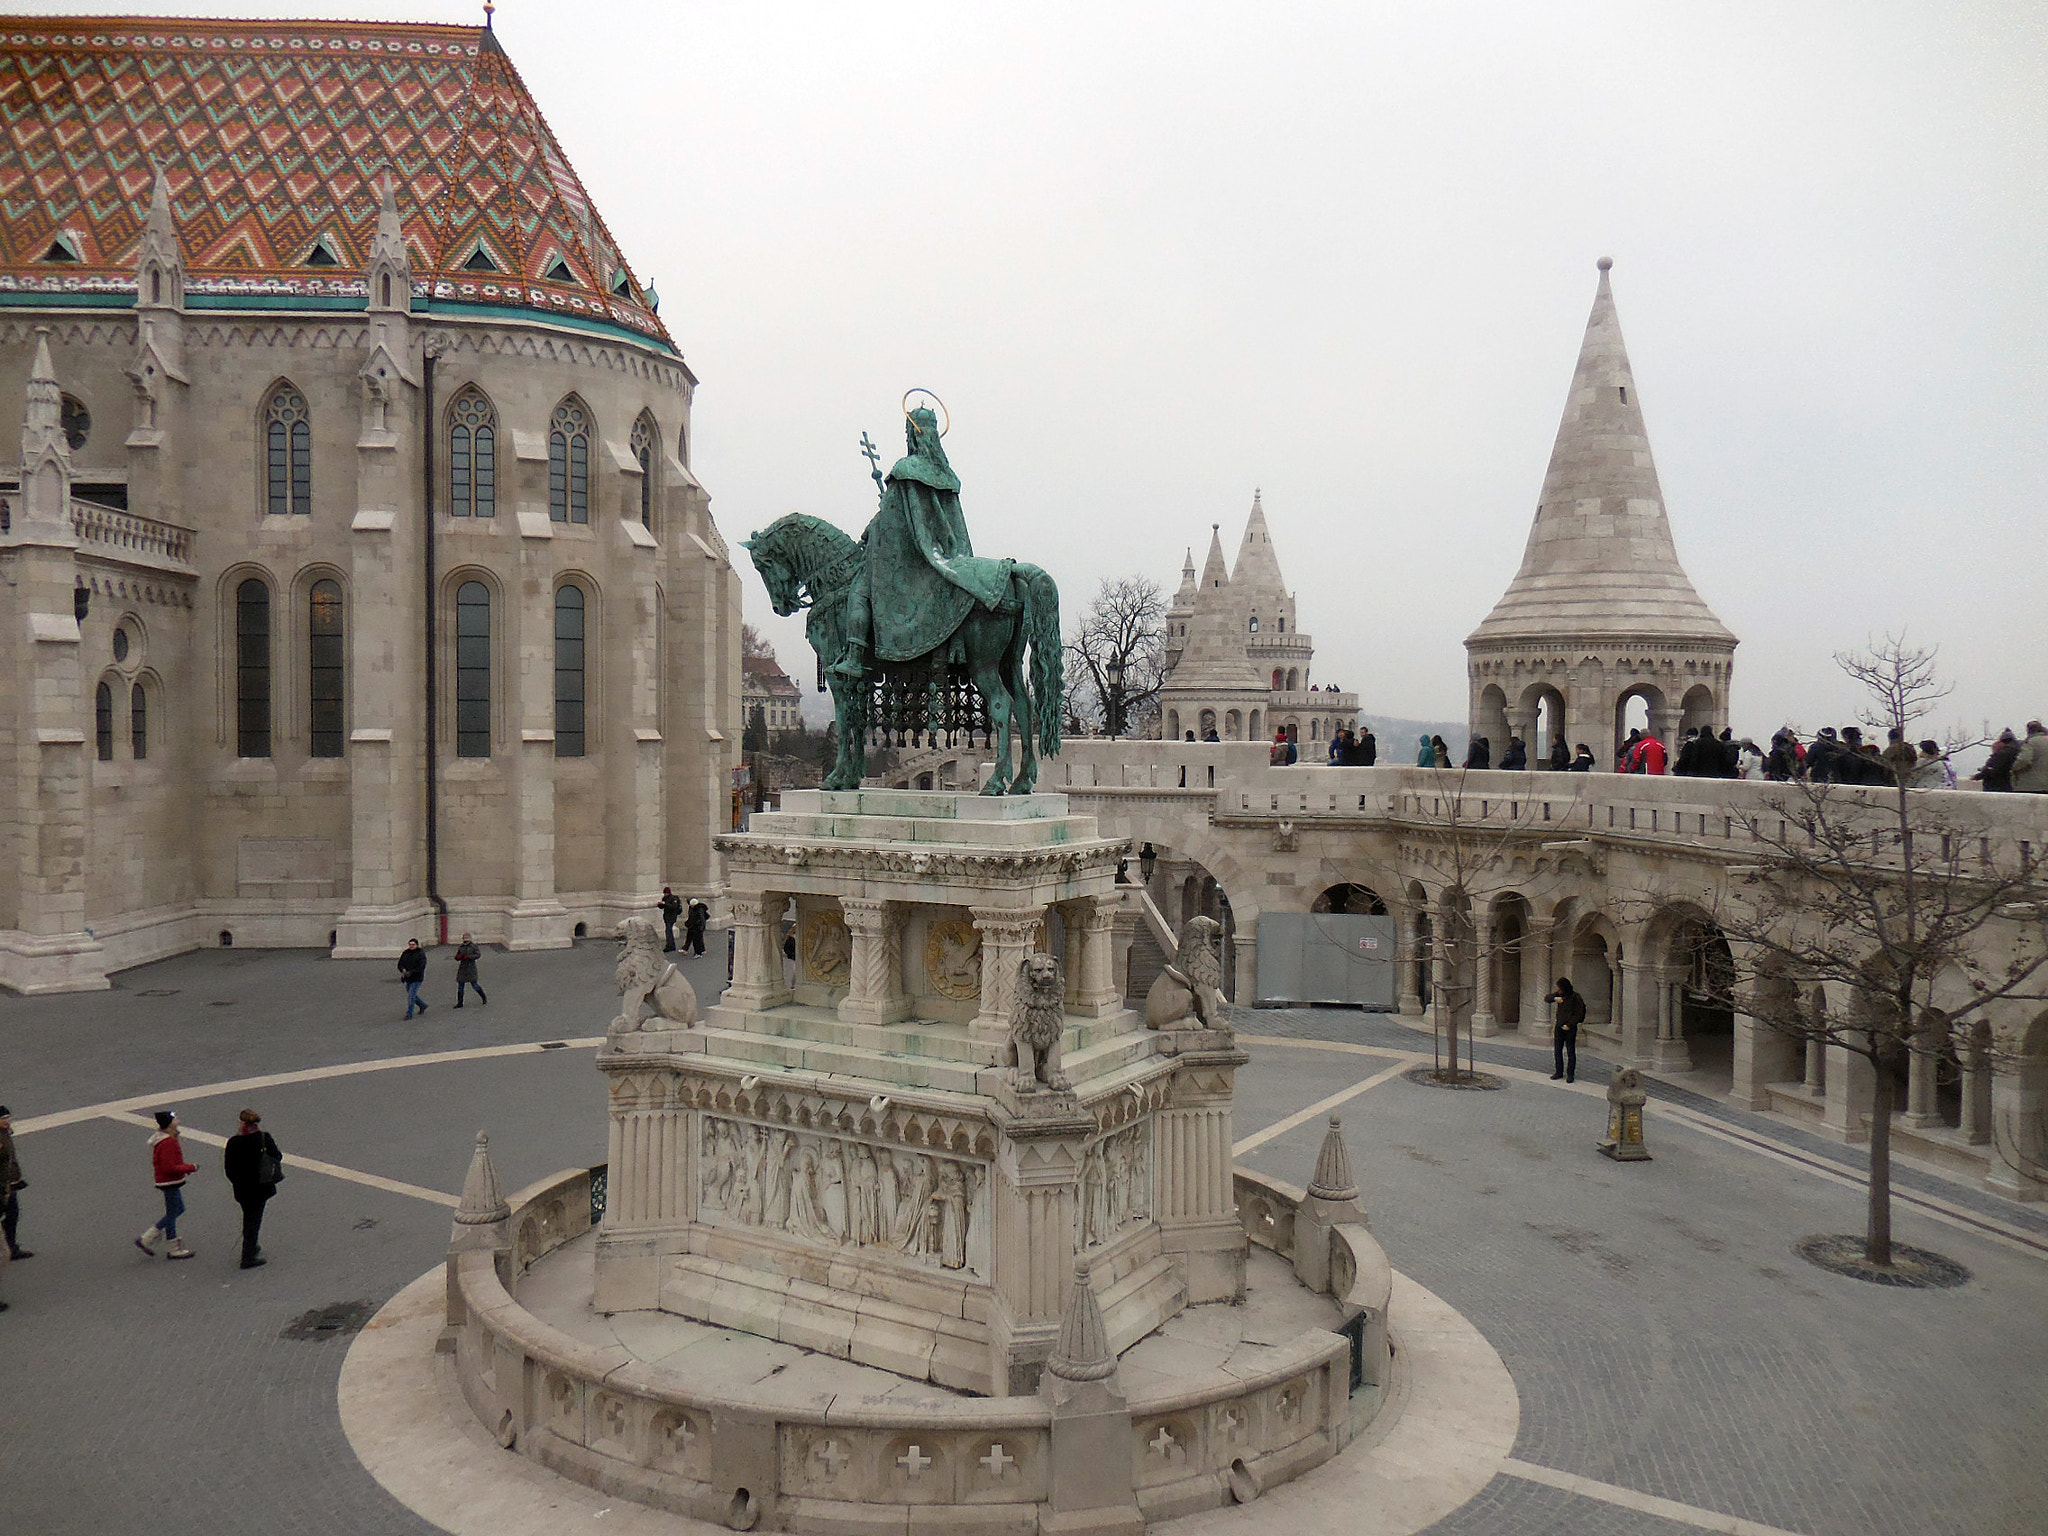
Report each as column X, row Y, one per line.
column 671, row 909
column 1564, row 1029
column 1517, row 755
column 1583, row 761
column 11, row 1186
column 412, row 970
column 254, row 1168
column 2030, row 765
column 693, row 927
column 466, row 956
column 168, row 1166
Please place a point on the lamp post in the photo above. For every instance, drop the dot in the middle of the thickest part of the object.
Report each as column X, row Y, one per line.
column 1113, row 706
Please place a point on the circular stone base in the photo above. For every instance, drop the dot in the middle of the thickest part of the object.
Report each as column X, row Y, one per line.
column 1914, row 1269
column 1449, row 1422
column 1437, row 1077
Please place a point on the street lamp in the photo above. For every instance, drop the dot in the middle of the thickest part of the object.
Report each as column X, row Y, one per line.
column 1112, row 716
column 1148, row 860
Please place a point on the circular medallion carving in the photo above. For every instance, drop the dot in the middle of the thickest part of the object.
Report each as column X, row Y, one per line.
column 952, row 959
column 827, row 949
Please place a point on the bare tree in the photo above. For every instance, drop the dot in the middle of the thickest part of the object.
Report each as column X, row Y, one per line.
column 1894, row 905
column 754, row 643
column 1116, row 655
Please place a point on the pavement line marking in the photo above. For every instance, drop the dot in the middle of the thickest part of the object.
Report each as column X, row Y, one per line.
column 295, row 1161
column 286, row 1079
column 1320, row 1107
column 1641, row 1503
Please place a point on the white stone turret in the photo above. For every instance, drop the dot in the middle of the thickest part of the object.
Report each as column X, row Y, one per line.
column 45, row 456
column 390, row 267
column 1601, row 611
column 159, row 262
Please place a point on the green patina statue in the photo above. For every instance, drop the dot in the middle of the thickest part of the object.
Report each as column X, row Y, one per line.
column 919, row 638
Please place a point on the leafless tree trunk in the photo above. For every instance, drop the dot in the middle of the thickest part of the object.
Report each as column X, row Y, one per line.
column 1116, row 655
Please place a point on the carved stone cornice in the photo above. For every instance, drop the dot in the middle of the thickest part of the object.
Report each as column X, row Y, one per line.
column 965, row 866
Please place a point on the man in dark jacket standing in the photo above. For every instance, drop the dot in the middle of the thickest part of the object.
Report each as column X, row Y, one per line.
column 11, row 1186
column 671, row 909
column 693, row 926
column 1564, row 1029
column 466, row 957
column 412, row 970
column 253, row 1166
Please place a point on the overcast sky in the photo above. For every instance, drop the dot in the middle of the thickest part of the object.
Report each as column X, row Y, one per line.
column 1155, row 256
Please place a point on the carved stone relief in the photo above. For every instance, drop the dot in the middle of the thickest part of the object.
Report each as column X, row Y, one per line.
column 952, row 959
column 1115, row 1186
column 827, row 948
column 842, row 1193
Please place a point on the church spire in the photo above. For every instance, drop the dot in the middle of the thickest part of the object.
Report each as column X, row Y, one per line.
column 1185, row 597
column 1600, row 559
column 1214, row 572
column 390, row 267
column 159, row 263
column 1258, row 567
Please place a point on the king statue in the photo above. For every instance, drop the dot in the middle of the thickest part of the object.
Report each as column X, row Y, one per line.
column 917, row 637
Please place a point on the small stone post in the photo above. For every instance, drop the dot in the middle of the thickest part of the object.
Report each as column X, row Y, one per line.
column 1625, row 1100
column 1091, row 1426
column 483, row 1224
column 1332, row 1201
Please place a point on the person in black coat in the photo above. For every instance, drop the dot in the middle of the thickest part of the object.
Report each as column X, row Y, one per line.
column 1516, row 756
column 254, row 1167
column 1368, row 747
column 671, row 909
column 412, row 970
column 1688, row 764
column 466, row 957
column 1479, row 753
column 1560, row 755
column 1564, row 1029
column 1583, row 762
column 693, row 927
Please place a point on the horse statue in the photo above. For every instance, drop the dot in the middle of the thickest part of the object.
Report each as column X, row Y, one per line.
column 806, row 562
column 916, row 635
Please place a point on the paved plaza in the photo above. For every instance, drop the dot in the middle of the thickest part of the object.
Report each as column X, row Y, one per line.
column 1678, row 1367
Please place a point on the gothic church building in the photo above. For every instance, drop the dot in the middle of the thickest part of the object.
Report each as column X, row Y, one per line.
column 356, row 584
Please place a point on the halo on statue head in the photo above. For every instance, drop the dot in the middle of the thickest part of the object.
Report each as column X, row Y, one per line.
column 909, row 405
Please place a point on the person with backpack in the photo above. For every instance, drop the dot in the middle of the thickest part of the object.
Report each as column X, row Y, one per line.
column 671, row 909
column 412, row 970
column 168, row 1167
column 693, row 926
column 1564, row 1029
column 254, row 1168
column 466, row 957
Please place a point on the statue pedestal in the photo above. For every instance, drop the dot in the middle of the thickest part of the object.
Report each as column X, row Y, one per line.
column 844, row 1161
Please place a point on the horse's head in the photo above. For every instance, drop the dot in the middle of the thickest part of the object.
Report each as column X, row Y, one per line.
column 790, row 552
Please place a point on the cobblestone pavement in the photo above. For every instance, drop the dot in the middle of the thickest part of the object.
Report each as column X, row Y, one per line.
column 1662, row 1335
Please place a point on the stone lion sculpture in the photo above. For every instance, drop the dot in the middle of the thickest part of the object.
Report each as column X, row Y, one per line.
column 1038, row 1024
column 649, row 987
column 1192, row 986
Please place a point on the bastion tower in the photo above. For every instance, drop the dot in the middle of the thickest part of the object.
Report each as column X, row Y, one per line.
column 1601, row 612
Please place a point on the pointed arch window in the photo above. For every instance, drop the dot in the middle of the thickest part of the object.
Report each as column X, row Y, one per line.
column 472, row 670
column 288, row 453
column 252, row 668
column 643, row 451
column 138, row 722
column 569, row 463
column 570, row 609
column 324, row 652
column 472, row 455
column 103, row 722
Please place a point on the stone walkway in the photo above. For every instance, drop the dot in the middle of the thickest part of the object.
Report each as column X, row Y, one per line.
column 1677, row 1364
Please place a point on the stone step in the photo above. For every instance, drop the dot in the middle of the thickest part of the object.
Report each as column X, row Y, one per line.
column 1147, row 961
column 1150, row 1295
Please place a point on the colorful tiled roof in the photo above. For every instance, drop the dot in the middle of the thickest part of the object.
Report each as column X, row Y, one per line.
column 275, row 137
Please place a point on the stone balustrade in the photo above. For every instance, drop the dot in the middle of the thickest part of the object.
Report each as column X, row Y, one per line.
column 611, row 1421
column 132, row 538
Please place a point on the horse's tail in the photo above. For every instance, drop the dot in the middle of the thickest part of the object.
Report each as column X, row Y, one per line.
column 1048, row 658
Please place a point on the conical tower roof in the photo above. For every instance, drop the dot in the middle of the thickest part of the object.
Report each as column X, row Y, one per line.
column 1258, row 568
column 1600, row 560
column 1215, row 573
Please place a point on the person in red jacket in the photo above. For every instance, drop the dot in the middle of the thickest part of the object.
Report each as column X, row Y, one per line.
column 1651, row 751
column 167, row 1164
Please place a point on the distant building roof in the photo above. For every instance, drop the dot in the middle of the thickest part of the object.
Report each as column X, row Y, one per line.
column 275, row 138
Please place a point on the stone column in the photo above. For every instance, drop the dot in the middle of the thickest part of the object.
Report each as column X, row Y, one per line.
column 757, row 951
column 1921, row 1110
column 1245, row 950
column 537, row 920
column 1123, row 933
column 874, row 992
column 1845, row 1106
column 652, row 1187
column 1672, row 1053
column 1192, row 1192
column 1537, row 980
column 1034, row 1187
column 1408, row 994
column 1484, row 1022
column 1816, row 1065
column 1006, row 935
column 1637, row 1012
column 1751, row 1064
column 1973, row 1049
column 1093, row 984
column 2018, row 1117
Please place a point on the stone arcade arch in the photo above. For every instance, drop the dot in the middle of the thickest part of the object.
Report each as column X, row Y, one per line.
column 1358, row 900
column 1652, row 717
column 1686, row 1004
column 1540, row 721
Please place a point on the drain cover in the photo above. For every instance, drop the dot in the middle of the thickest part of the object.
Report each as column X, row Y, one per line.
column 330, row 1322
column 217, row 1003
column 159, row 992
column 554, row 1045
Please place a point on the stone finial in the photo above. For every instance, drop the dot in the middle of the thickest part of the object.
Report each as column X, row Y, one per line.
column 1082, row 1352
column 1605, row 263
column 483, row 1202
column 159, row 261
column 45, row 403
column 1332, row 1179
column 389, row 270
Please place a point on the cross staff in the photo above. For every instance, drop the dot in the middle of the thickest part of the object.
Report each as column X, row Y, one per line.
column 874, row 457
